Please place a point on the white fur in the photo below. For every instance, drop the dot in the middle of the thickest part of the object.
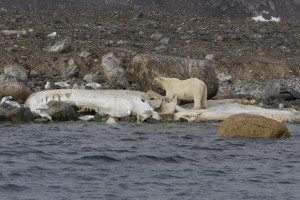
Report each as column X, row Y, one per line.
column 191, row 89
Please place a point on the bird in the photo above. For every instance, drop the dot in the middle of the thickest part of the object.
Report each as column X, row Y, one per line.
column 63, row 85
column 53, row 34
column 48, row 85
column 87, row 117
column 13, row 104
column 43, row 111
column 4, row 99
column 94, row 85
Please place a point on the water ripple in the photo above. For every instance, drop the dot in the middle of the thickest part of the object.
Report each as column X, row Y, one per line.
column 75, row 160
column 99, row 158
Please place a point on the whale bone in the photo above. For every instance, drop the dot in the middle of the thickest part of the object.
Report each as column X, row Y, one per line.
column 115, row 103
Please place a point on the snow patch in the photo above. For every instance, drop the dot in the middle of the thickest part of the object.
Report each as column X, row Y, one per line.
column 261, row 18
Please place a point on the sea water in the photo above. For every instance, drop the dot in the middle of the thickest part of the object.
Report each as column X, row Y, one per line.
column 126, row 161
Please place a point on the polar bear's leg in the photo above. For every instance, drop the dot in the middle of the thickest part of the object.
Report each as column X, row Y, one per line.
column 204, row 98
column 197, row 100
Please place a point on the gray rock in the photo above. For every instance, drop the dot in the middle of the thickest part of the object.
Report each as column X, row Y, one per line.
column 84, row 54
column 21, row 115
column 224, row 77
column 165, row 41
column 7, row 78
column 272, row 89
column 35, row 73
column 93, row 77
column 61, row 111
column 144, row 68
column 71, row 71
column 11, row 49
column 16, row 114
column 17, row 33
column 17, row 71
column 4, row 27
column 60, row 46
column 2, row 117
column 210, row 57
column 11, row 87
column 156, row 36
column 113, row 72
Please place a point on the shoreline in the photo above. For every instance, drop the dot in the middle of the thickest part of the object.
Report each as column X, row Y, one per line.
column 248, row 57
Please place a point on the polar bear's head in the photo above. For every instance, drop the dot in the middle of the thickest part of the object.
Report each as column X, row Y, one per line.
column 158, row 82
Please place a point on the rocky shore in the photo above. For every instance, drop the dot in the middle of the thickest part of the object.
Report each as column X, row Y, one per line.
column 256, row 62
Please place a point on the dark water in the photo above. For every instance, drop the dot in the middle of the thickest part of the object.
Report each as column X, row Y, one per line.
column 78, row 160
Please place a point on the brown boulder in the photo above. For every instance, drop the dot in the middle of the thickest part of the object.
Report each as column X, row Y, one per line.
column 15, row 89
column 252, row 126
column 145, row 67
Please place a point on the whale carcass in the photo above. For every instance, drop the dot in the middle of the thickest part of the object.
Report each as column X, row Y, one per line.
column 221, row 110
column 115, row 103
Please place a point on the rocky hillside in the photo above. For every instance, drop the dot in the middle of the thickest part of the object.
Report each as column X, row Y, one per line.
column 247, row 55
column 232, row 9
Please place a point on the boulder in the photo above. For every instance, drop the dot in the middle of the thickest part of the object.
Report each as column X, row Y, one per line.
column 61, row 111
column 15, row 89
column 272, row 89
column 252, row 126
column 16, row 114
column 59, row 46
column 2, row 117
column 17, row 71
column 93, row 77
column 113, row 72
column 71, row 71
column 3, row 112
column 20, row 115
column 145, row 67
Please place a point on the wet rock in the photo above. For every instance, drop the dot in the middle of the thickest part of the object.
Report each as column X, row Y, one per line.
column 59, row 46
column 61, row 111
column 2, row 117
column 3, row 112
column 113, row 72
column 145, row 67
column 20, row 115
column 252, row 126
column 15, row 89
column 17, row 71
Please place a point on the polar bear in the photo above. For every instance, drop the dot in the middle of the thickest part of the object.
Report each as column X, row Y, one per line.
column 189, row 89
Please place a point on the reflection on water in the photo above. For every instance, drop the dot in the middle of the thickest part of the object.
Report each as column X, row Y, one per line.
column 78, row 160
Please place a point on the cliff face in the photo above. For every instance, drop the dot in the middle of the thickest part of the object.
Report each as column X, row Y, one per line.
column 231, row 9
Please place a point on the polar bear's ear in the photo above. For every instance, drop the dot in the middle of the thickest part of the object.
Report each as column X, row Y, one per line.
column 159, row 78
